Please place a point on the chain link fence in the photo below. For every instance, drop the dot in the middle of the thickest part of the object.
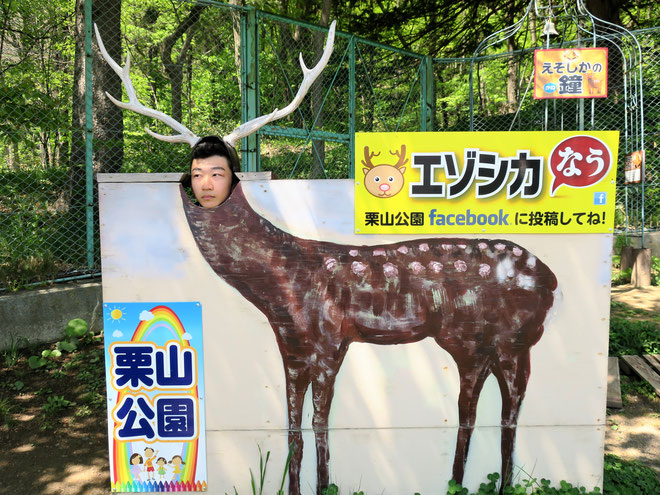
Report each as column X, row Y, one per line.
column 213, row 66
column 502, row 99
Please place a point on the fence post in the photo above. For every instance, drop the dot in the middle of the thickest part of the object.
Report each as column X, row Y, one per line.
column 351, row 108
column 89, row 122
column 250, row 87
column 427, row 90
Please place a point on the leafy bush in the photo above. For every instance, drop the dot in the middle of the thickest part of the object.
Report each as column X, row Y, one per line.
column 633, row 337
column 655, row 270
column 628, row 477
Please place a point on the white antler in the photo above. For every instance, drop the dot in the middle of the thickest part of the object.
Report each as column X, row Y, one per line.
column 184, row 136
column 309, row 76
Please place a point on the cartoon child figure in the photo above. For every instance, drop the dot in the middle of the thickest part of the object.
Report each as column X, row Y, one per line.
column 177, row 462
column 136, row 469
column 161, row 463
column 149, row 463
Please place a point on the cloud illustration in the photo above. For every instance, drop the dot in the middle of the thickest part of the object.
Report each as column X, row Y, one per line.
column 187, row 336
column 117, row 333
column 146, row 315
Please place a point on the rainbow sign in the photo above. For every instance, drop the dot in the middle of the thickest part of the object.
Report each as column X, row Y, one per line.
column 155, row 395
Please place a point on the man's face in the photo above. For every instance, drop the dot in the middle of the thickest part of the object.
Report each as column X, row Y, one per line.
column 211, row 180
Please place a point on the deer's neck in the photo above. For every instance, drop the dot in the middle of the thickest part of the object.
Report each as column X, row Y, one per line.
column 237, row 242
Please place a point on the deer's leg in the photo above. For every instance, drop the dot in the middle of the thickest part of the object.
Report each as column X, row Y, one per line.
column 512, row 373
column 297, row 381
column 473, row 374
column 323, row 385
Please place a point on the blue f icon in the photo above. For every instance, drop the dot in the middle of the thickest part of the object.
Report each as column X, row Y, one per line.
column 600, row 198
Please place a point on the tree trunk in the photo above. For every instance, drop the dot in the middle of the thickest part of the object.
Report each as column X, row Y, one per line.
column 76, row 179
column 174, row 69
column 108, row 123
column 108, row 119
column 511, row 77
column 318, row 145
column 236, row 29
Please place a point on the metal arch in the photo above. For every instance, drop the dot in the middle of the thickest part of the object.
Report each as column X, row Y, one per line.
column 594, row 29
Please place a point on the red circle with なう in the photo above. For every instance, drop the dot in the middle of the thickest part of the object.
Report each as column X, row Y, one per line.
column 579, row 161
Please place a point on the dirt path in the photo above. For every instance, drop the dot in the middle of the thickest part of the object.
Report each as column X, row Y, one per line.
column 633, row 433
column 647, row 298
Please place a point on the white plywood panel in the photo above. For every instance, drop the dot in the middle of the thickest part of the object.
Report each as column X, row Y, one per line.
column 149, row 254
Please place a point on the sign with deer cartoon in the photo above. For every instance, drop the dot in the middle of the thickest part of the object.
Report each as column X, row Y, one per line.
column 504, row 367
column 487, row 182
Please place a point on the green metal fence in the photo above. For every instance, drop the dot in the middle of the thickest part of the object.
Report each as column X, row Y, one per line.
column 211, row 66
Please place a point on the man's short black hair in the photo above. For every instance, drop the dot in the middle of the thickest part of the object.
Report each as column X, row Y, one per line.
column 212, row 146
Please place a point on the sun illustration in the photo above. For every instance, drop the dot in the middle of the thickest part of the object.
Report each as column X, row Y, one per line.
column 117, row 314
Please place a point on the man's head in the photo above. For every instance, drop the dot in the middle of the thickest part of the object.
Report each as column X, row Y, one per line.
column 213, row 171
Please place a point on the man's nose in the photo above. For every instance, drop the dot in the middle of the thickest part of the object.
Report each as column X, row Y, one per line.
column 207, row 183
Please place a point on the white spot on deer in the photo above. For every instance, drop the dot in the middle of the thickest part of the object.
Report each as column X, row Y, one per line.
column 447, row 247
column 517, row 251
column 439, row 297
column 462, row 246
column 353, row 252
column 390, row 270
column 379, row 252
column 482, row 246
column 466, row 300
column 504, row 270
column 417, row 267
column 499, row 246
column 423, row 247
column 531, row 262
column 525, row 281
column 330, row 263
column 484, row 270
column 402, row 249
column 358, row 267
column 460, row 265
column 435, row 266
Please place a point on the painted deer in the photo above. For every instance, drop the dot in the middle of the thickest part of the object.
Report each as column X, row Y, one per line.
column 483, row 301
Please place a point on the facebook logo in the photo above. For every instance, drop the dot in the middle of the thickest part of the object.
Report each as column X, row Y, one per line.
column 600, row 198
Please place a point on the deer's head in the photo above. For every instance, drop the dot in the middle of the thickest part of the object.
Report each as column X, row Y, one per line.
column 384, row 180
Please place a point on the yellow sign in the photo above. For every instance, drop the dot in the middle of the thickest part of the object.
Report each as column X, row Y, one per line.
column 492, row 182
column 570, row 73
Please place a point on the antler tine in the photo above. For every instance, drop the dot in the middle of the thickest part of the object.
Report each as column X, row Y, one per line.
column 184, row 136
column 400, row 155
column 309, row 76
column 368, row 155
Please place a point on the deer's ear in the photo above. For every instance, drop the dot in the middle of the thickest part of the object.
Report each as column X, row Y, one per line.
column 402, row 169
column 365, row 171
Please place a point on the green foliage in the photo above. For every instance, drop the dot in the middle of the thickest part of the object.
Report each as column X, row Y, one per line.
column 55, row 404
column 6, row 410
column 655, row 270
column 633, row 337
column 620, row 242
column 628, row 478
column 76, row 328
column 10, row 355
column 620, row 277
column 635, row 387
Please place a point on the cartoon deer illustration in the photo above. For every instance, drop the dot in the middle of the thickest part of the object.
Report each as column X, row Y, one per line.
column 483, row 301
column 383, row 180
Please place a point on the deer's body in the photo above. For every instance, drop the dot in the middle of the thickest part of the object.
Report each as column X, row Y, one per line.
column 483, row 301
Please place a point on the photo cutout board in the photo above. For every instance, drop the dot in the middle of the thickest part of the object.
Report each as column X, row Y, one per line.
column 387, row 362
